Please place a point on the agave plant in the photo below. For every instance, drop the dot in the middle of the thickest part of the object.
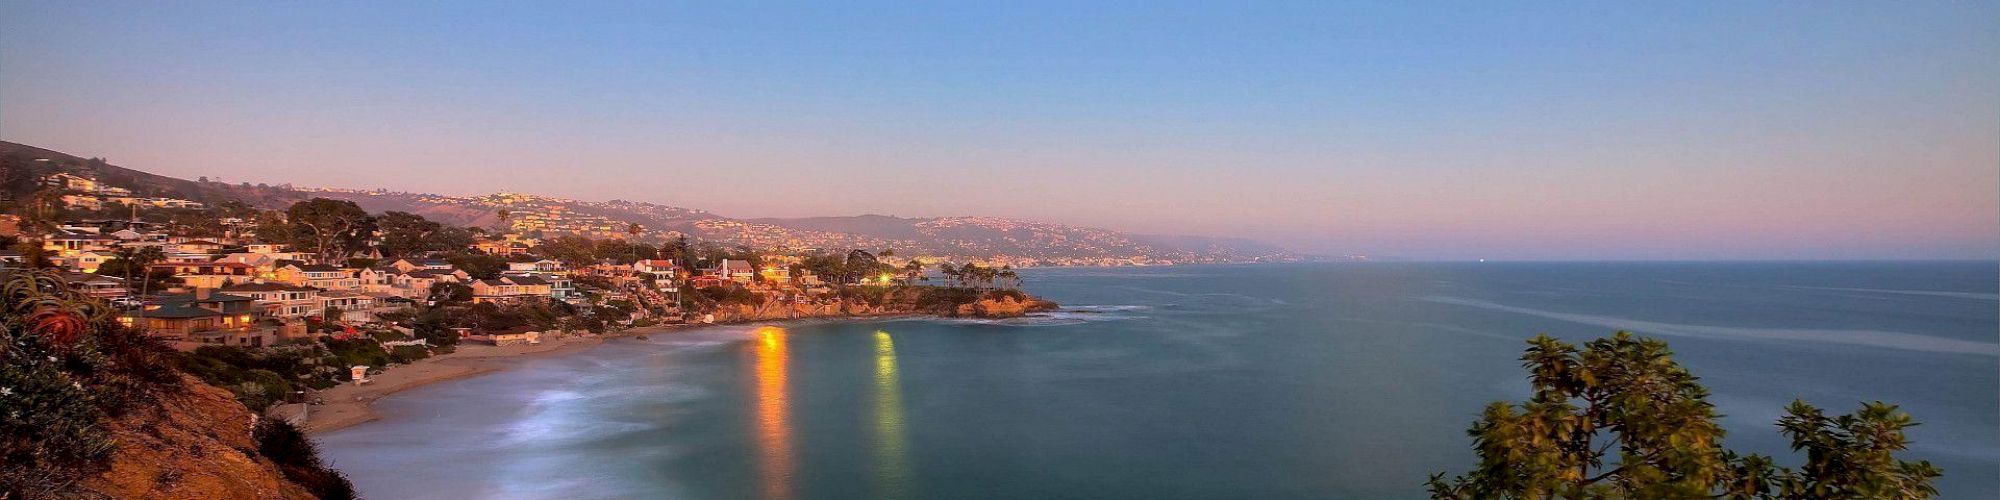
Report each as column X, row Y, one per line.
column 43, row 303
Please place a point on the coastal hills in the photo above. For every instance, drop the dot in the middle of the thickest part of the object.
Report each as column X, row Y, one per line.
column 955, row 238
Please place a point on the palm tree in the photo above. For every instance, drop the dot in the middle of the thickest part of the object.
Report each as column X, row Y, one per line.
column 635, row 229
column 957, row 276
column 504, row 215
column 914, row 269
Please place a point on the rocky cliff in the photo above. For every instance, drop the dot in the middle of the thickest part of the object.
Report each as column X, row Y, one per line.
column 193, row 444
column 1003, row 307
column 910, row 301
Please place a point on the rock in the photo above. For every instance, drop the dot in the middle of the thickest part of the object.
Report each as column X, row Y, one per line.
column 1005, row 307
column 195, row 444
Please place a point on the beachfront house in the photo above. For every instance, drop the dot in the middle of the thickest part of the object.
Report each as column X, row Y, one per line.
column 280, row 300
column 509, row 288
column 320, row 276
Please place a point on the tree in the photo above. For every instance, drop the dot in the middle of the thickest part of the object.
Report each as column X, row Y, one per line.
column 479, row 266
column 330, row 228
column 1627, row 394
column 405, row 234
column 131, row 262
column 634, row 230
column 504, row 215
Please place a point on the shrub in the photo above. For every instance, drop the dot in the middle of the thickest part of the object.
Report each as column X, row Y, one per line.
column 296, row 456
column 408, row 353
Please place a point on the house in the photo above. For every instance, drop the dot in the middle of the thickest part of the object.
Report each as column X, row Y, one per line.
column 509, row 289
column 501, row 248
column 280, row 300
column 350, row 306
column 561, row 288
column 198, row 246
column 208, row 274
column 515, row 336
column 98, row 286
column 128, row 234
column 266, row 264
column 318, row 276
column 739, row 271
column 661, row 271
column 544, row 266
column 705, row 281
column 72, row 182
column 183, row 316
column 69, row 243
column 88, row 261
column 408, row 265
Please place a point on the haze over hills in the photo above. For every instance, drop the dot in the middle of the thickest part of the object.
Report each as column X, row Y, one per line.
column 1027, row 242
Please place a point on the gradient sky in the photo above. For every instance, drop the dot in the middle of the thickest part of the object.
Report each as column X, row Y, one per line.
column 1587, row 130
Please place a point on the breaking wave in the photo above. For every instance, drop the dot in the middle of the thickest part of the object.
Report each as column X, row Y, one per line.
column 1866, row 338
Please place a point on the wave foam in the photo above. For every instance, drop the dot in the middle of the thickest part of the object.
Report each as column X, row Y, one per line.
column 1867, row 338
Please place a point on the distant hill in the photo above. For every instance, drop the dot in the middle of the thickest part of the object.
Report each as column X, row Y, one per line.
column 946, row 237
column 24, row 164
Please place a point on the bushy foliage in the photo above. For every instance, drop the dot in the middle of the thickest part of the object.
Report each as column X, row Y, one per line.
column 64, row 367
column 408, row 353
column 729, row 295
column 1626, row 395
column 260, row 377
column 297, row 457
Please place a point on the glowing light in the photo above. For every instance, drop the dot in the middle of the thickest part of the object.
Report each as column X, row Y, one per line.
column 892, row 461
column 774, row 429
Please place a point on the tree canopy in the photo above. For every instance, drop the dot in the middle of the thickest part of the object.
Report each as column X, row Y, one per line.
column 405, row 234
column 1620, row 419
column 331, row 228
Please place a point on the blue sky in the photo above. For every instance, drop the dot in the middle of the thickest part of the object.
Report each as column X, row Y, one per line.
column 1682, row 130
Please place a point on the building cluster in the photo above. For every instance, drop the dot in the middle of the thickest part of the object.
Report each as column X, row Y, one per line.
column 85, row 193
column 239, row 291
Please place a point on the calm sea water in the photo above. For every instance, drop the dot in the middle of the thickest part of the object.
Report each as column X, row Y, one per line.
column 1252, row 381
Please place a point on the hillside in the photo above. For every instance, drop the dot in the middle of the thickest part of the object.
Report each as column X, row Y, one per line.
column 21, row 165
column 1025, row 242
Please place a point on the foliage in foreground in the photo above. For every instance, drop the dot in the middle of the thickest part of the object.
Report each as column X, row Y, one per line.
column 63, row 370
column 1620, row 419
column 296, row 456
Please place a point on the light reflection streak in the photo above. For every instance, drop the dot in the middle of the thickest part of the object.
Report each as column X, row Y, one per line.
column 892, row 467
column 774, row 431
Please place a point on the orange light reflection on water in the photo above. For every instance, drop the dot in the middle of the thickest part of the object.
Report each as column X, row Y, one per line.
column 774, row 428
column 892, row 463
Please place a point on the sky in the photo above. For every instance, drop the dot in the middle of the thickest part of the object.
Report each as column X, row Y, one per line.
column 1419, row 130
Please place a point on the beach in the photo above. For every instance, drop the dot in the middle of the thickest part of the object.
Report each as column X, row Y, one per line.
column 350, row 404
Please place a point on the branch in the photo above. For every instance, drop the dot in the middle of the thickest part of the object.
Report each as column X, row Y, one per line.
column 1600, row 477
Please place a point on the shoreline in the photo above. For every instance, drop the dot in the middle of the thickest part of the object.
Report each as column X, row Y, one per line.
column 349, row 405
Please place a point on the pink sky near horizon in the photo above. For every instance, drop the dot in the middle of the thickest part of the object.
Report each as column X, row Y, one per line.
column 1853, row 135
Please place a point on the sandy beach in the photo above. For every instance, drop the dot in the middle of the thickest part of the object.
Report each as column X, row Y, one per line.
column 350, row 404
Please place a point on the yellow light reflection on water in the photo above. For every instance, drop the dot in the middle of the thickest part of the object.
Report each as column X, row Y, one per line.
column 892, row 463
column 774, row 428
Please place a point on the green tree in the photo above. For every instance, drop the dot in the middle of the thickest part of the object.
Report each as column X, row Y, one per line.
column 134, row 262
column 405, row 234
column 330, row 228
column 1620, row 419
column 480, row 266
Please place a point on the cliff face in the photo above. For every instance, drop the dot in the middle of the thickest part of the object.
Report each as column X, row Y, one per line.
column 990, row 306
column 1003, row 307
column 195, row 444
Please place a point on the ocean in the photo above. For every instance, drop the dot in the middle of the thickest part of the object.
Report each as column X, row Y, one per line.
column 1345, row 380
